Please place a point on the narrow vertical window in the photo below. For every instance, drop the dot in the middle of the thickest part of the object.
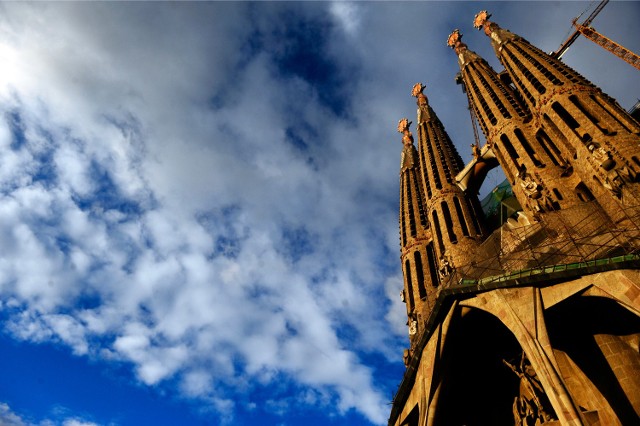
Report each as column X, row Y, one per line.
column 568, row 120
column 507, row 145
column 463, row 222
column 407, row 274
column 583, row 192
column 436, row 228
column 527, row 148
column 448, row 223
column 557, row 194
column 403, row 219
column 412, row 219
column 431, row 258
column 420, row 275
column 549, row 147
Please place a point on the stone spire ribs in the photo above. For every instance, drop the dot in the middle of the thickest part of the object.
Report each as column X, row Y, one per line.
column 585, row 124
column 454, row 216
column 416, row 246
column 532, row 163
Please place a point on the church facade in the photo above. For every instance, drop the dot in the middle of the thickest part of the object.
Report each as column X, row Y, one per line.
column 538, row 321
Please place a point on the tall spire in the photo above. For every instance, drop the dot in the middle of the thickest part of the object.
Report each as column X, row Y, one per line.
column 588, row 126
column 455, row 217
column 416, row 244
column 533, row 164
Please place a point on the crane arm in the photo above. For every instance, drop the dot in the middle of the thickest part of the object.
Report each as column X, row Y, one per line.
column 574, row 36
column 613, row 47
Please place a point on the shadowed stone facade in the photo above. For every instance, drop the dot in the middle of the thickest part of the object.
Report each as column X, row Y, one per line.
column 537, row 322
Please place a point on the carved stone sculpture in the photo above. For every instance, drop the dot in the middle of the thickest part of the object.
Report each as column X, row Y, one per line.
column 445, row 266
column 531, row 406
column 403, row 127
column 423, row 104
column 602, row 156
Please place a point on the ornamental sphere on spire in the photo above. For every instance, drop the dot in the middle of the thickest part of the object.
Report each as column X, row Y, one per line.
column 417, row 93
column 454, row 41
column 417, row 89
column 403, row 127
column 481, row 19
column 454, row 38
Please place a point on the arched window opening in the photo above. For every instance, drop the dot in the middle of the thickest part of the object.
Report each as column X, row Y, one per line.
column 557, row 193
column 566, row 118
column 431, row 258
column 436, row 228
column 589, row 116
column 524, row 70
column 583, row 193
column 403, row 220
column 475, row 214
column 423, row 157
column 412, row 219
column 432, row 159
column 416, row 183
column 448, row 223
column 498, row 153
column 483, row 103
column 540, row 67
column 461, row 219
column 507, row 145
column 518, row 83
column 619, row 116
column 407, row 274
column 527, row 148
column 555, row 132
column 549, row 147
column 493, row 95
column 420, row 275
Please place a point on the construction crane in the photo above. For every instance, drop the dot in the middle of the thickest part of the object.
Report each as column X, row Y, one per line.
column 601, row 40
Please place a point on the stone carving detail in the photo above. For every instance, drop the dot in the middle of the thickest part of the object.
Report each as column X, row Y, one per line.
column 602, row 156
column 531, row 406
column 413, row 327
column 475, row 151
column 402, row 297
column 406, row 357
column 481, row 19
column 408, row 156
column 481, row 22
column 538, row 198
column 615, row 177
column 403, row 127
column 423, row 104
column 446, row 266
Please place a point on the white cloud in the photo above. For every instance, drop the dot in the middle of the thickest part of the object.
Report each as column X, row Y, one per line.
column 184, row 229
column 10, row 418
column 348, row 14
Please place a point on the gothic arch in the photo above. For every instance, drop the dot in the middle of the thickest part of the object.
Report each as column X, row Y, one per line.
column 477, row 387
column 595, row 341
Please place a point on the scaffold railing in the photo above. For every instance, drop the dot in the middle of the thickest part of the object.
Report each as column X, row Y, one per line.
column 579, row 235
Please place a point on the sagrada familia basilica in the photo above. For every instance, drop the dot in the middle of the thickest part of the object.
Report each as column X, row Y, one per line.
column 535, row 319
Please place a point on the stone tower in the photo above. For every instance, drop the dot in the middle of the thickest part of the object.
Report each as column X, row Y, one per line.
column 575, row 117
column 417, row 255
column 531, row 162
column 453, row 215
column 537, row 322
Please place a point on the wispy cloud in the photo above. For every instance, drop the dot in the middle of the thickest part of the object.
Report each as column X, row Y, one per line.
column 206, row 191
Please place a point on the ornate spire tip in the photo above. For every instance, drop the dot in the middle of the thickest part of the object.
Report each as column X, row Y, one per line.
column 403, row 124
column 417, row 89
column 480, row 19
column 454, row 38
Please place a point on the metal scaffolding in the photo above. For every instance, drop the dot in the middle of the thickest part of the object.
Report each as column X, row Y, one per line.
column 569, row 238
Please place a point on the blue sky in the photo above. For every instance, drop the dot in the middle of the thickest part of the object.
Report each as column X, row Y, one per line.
column 198, row 201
